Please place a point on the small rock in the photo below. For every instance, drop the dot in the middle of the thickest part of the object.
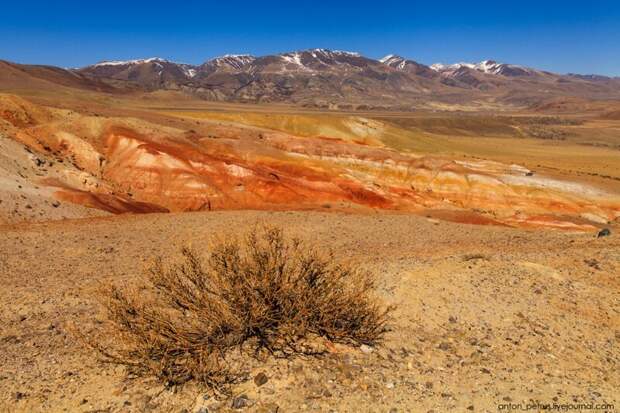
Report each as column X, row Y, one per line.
column 260, row 379
column 444, row 346
column 366, row 349
column 390, row 385
column 593, row 263
column 19, row 395
column 485, row 370
column 241, row 402
column 605, row 232
column 470, row 407
column 452, row 319
column 56, row 204
column 202, row 410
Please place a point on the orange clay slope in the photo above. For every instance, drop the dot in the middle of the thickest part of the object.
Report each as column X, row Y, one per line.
column 129, row 165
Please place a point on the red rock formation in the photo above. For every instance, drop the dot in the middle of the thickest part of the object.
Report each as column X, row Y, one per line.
column 140, row 167
column 287, row 172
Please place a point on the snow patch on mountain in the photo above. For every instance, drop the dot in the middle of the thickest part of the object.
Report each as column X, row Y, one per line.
column 294, row 59
column 387, row 58
column 130, row 62
column 236, row 61
column 394, row 61
column 307, row 60
column 189, row 71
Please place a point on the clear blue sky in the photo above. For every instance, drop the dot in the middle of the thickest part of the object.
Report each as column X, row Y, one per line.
column 561, row 36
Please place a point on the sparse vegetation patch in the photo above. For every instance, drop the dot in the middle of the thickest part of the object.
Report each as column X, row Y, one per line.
column 198, row 319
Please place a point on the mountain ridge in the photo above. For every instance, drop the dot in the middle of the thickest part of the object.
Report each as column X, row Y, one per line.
column 326, row 78
column 390, row 57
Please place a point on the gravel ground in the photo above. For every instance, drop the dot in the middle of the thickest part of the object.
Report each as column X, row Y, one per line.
column 485, row 316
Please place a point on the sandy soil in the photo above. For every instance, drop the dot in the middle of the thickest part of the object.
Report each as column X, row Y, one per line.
column 485, row 316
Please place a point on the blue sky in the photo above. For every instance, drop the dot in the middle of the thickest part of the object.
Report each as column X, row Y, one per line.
column 561, row 36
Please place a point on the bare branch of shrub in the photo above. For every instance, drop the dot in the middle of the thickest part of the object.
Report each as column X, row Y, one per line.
column 264, row 294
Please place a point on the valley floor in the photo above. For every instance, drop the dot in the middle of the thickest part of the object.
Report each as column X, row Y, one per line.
column 485, row 315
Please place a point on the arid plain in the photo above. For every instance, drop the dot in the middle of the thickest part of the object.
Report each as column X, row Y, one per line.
column 482, row 224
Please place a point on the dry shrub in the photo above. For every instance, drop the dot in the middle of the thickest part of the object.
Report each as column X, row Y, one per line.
column 260, row 295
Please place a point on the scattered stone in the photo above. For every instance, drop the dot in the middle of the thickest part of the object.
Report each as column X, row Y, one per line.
column 452, row 319
column 390, row 385
column 444, row 346
column 56, row 204
column 241, row 402
column 260, row 379
column 366, row 349
column 592, row 263
column 19, row 395
column 605, row 232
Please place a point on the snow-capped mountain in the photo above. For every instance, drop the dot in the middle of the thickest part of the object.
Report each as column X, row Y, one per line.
column 322, row 76
column 314, row 60
column 408, row 66
column 486, row 66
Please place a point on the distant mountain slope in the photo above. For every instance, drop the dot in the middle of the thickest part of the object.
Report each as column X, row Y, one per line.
column 16, row 76
column 153, row 73
column 329, row 78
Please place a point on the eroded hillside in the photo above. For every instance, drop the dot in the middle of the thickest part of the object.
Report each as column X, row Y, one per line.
column 117, row 164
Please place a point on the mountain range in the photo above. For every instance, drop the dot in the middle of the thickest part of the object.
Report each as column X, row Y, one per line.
column 334, row 79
